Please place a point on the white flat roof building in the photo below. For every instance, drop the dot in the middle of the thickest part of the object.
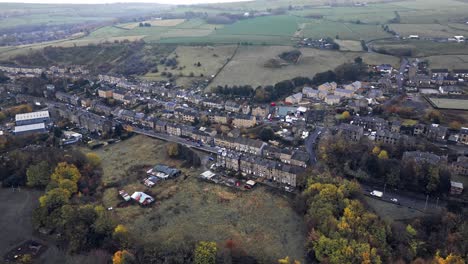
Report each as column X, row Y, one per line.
column 32, row 115
column 29, row 128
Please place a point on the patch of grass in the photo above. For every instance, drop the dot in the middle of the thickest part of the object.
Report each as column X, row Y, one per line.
column 349, row 45
column 391, row 212
column 248, row 66
column 348, row 31
column 448, row 61
column 426, row 30
column 260, row 222
column 211, row 59
column 420, row 48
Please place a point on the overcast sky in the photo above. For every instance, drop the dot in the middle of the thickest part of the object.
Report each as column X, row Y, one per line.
column 121, row 1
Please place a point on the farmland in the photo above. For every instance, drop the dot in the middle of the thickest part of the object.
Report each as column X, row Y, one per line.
column 248, row 66
column 211, row 59
column 260, row 222
column 426, row 30
column 419, row 48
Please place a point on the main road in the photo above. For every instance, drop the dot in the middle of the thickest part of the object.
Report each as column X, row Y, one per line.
column 175, row 139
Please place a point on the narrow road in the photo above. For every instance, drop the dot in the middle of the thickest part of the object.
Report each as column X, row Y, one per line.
column 400, row 77
column 410, row 200
column 310, row 143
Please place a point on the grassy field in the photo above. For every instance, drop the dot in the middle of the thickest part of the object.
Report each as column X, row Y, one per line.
column 426, row 30
column 156, row 23
column 448, row 62
column 187, row 210
column 18, row 15
column 16, row 208
column 349, row 45
column 391, row 212
column 421, row 48
column 248, row 66
column 323, row 28
column 211, row 58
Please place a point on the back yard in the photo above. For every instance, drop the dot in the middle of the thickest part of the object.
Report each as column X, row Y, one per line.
column 260, row 222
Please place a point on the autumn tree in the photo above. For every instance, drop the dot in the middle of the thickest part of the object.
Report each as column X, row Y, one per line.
column 287, row 260
column 123, row 257
column 205, row 253
column 383, row 155
column 121, row 235
column 455, row 125
column 173, row 150
column 38, row 175
column 55, row 198
column 66, row 171
column 93, row 159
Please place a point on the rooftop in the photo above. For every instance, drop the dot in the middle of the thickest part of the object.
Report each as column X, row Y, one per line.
column 32, row 115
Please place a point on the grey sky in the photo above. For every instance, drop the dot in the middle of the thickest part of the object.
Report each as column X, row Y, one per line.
column 127, row 1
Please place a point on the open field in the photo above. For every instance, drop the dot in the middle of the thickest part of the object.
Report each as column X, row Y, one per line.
column 23, row 15
column 349, row 45
column 156, row 23
column 426, row 30
column 247, row 67
column 448, row 61
column 391, row 212
column 420, row 48
column 16, row 208
column 446, row 103
column 187, row 210
column 211, row 58
column 349, row 31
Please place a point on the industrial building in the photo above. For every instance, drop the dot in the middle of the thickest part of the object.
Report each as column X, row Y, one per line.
column 29, row 129
column 32, row 118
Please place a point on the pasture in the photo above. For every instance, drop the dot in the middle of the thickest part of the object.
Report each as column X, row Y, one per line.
column 260, row 222
column 447, row 61
column 420, row 48
column 248, row 65
column 155, row 23
column 426, row 30
column 211, row 59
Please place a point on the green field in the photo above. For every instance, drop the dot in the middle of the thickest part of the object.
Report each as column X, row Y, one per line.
column 248, row 66
column 261, row 222
column 428, row 30
column 420, row 48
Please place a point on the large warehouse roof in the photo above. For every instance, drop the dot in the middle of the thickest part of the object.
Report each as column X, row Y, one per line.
column 33, row 127
column 33, row 115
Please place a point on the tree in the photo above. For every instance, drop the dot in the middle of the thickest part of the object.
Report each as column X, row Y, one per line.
column 376, row 150
column 38, row 175
column 267, row 134
column 455, row 125
column 383, row 155
column 173, row 150
column 93, row 159
column 205, row 253
column 358, row 60
column 66, row 171
column 121, row 235
column 345, row 115
column 123, row 257
column 286, row 260
column 450, row 259
column 26, row 259
column 54, row 198
column 68, row 185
